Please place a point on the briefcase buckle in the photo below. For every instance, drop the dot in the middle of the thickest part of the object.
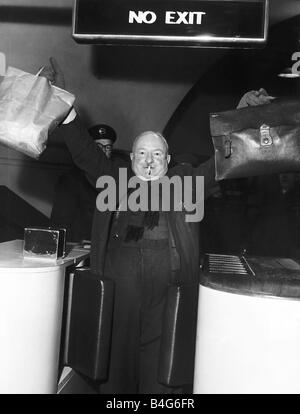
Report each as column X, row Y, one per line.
column 228, row 148
column 265, row 136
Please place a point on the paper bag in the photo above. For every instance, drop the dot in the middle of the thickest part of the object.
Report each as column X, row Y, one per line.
column 30, row 108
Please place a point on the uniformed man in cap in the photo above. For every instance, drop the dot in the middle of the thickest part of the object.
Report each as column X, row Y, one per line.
column 75, row 198
column 104, row 136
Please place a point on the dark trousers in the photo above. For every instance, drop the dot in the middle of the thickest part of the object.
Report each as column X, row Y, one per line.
column 141, row 273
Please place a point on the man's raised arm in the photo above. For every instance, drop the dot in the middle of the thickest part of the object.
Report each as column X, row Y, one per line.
column 84, row 151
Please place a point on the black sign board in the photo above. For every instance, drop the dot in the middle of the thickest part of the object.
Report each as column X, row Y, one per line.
column 171, row 23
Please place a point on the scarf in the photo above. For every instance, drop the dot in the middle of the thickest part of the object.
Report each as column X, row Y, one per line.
column 140, row 220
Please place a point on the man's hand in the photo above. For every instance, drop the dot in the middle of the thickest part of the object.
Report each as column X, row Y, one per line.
column 254, row 98
column 54, row 74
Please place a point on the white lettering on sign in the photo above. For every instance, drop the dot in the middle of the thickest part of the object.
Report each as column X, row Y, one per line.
column 148, row 17
column 171, row 17
column 177, row 17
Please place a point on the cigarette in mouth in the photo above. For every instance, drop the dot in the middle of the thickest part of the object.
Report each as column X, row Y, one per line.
column 149, row 170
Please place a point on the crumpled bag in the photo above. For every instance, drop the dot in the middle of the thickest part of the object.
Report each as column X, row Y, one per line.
column 30, row 108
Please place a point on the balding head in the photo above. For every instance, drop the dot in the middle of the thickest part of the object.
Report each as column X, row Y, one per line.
column 150, row 156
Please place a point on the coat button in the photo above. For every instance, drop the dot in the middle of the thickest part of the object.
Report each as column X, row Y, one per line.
column 116, row 236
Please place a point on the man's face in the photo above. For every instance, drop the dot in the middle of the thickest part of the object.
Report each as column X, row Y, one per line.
column 149, row 158
column 106, row 145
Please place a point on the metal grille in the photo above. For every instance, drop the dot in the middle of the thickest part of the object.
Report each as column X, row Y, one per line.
column 219, row 263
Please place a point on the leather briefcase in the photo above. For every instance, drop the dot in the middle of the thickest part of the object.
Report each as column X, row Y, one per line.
column 177, row 349
column 257, row 140
column 88, row 336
